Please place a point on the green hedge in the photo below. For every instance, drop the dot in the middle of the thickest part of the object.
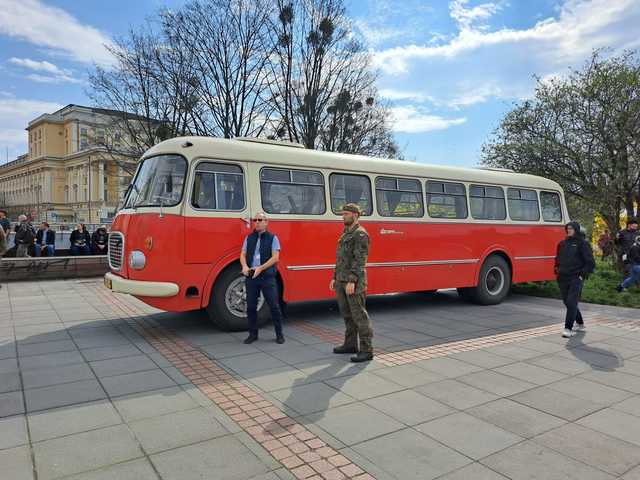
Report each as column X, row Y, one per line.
column 600, row 288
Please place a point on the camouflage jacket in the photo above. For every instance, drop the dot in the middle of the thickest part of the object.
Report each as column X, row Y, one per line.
column 351, row 257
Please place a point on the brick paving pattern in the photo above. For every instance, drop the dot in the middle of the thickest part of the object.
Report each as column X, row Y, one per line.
column 299, row 450
column 455, row 391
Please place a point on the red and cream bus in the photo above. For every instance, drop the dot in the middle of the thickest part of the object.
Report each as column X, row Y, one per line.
column 176, row 242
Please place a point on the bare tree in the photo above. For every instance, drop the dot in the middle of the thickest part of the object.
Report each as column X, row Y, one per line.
column 324, row 88
column 230, row 44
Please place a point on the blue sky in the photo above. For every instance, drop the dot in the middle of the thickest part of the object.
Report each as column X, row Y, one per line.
column 449, row 68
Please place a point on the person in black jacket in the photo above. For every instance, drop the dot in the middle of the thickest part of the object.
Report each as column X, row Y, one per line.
column 624, row 240
column 24, row 238
column 574, row 263
column 634, row 261
column 45, row 241
column 80, row 241
column 99, row 241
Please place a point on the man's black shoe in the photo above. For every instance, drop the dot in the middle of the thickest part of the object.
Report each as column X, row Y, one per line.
column 362, row 357
column 280, row 339
column 250, row 339
column 345, row 349
column 619, row 289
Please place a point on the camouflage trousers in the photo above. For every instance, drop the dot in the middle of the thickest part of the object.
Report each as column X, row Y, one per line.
column 356, row 319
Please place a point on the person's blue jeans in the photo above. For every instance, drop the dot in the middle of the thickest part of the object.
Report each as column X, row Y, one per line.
column 269, row 288
column 634, row 276
column 80, row 250
column 50, row 250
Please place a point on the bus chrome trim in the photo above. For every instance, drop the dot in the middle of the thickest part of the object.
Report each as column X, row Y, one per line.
column 115, row 255
column 537, row 257
column 140, row 288
column 389, row 264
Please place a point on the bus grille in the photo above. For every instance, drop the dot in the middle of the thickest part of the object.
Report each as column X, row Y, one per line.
column 116, row 250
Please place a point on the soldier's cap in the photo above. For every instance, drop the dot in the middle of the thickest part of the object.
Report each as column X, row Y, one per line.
column 352, row 207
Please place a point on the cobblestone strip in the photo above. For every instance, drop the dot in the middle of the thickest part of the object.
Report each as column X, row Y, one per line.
column 404, row 357
column 299, row 450
column 326, row 334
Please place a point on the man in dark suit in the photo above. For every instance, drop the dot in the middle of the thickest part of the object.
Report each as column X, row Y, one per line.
column 45, row 241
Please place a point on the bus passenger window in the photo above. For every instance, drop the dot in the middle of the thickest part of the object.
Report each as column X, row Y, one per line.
column 523, row 205
column 218, row 186
column 350, row 189
column 487, row 203
column 399, row 197
column 298, row 192
column 446, row 200
column 551, row 207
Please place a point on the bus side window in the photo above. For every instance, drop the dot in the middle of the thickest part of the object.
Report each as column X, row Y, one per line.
column 446, row 200
column 523, row 205
column 399, row 197
column 551, row 207
column 487, row 202
column 287, row 191
column 350, row 189
column 218, row 186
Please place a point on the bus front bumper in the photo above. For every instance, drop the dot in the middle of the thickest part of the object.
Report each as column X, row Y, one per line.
column 140, row 288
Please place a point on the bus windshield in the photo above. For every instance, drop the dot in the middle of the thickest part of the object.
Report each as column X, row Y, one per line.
column 158, row 183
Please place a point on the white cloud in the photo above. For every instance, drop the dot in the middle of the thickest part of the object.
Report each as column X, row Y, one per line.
column 55, row 29
column 468, row 17
column 393, row 94
column 471, row 95
column 580, row 26
column 409, row 119
column 54, row 74
column 15, row 114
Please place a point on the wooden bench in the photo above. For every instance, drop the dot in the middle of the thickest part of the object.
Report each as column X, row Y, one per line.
column 51, row 268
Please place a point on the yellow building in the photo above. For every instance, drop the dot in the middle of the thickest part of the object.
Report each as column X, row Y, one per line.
column 76, row 169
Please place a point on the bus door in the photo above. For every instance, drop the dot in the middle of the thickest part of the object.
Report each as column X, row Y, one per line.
column 395, row 247
column 217, row 212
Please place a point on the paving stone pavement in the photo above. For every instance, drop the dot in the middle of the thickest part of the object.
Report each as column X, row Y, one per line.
column 100, row 386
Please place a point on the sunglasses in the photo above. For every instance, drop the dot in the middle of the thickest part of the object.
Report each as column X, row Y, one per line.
column 259, row 219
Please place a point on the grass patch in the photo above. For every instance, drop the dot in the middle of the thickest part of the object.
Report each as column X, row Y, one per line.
column 600, row 288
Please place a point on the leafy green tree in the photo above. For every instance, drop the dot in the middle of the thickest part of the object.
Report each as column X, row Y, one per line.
column 583, row 131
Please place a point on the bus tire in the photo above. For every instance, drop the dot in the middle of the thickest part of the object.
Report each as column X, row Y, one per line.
column 494, row 281
column 227, row 305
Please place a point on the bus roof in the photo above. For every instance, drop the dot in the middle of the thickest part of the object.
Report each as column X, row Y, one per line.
column 283, row 155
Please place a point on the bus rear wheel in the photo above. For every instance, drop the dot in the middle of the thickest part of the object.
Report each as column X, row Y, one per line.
column 227, row 307
column 494, row 283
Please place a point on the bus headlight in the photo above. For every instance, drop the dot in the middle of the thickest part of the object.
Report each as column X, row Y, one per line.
column 137, row 260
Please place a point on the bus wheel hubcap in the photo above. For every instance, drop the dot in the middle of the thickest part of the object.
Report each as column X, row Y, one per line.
column 494, row 281
column 235, row 298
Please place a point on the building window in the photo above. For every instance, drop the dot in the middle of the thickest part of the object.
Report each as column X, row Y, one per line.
column 100, row 136
column 292, row 191
column 350, row 189
column 551, row 207
column 399, row 197
column 446, row 200
column 218, row 186
column 523, row 205
column 487, row 203
column 84, row 141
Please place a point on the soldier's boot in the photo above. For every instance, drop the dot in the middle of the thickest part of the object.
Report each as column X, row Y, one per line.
column 345, row 349
column 362, row 357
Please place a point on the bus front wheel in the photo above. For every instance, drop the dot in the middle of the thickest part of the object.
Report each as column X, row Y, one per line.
column 227, row 307
column 494, row 283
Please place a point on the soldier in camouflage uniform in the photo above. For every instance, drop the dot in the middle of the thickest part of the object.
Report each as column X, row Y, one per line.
column 350, row 284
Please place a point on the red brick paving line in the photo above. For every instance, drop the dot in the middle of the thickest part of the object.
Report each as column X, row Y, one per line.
column 404, row 357
column 299, row 450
